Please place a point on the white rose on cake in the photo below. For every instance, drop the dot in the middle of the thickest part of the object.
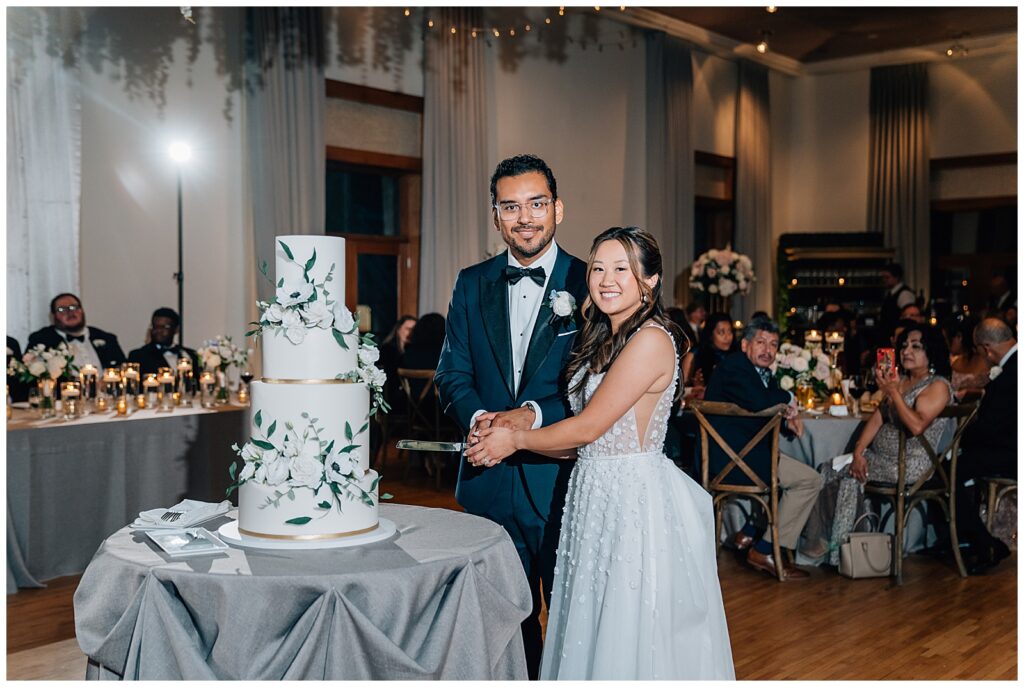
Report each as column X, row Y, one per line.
column 368, row 355
column 343, row 320
column 248, row 470
column 275, row 468
column 294, row 292
column 317, row 314
column 274, row 313
column 306, row 471
column 293, row 327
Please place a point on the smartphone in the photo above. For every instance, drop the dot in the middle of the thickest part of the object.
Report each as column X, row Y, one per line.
column 887, row 360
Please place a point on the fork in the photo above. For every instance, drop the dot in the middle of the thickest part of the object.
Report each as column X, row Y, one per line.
column 171, row 516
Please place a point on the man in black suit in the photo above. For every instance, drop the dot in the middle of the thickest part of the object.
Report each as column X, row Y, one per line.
column 989, row 444
column 91, row 344
column 897, row 296
column 744, row 378
column 17, row 388
column 161, row 351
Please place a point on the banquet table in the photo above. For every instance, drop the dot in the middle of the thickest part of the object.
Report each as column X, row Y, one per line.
column 71, row 484
column 443, row 598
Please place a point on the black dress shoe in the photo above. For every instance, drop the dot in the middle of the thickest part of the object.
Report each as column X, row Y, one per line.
column 987, row 557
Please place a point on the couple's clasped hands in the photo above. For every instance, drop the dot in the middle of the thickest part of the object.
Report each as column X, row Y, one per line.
column 492, row 437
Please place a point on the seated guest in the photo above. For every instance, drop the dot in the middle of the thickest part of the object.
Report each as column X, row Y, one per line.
column 91, row 344
column 744, row 378
column 161, row 351
column 912, row 312
column 989, row 445
column 17, row 388
column 847, row 360
column 914, row 397
column 717, row 340
column 969, row 365
column 424, row 348
column 391, row 349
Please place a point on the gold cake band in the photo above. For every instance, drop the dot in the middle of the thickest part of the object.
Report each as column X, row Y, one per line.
column 308, row 537
column 270, row 380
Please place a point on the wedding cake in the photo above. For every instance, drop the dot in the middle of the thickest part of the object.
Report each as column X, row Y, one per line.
column 306, row 473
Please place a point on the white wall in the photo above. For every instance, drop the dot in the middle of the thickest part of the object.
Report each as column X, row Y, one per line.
column 714, row 104
column 973, row 106
column 129, row 202
column 585, row 117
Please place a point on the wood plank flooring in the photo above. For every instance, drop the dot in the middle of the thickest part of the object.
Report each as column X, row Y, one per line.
column 937, row 626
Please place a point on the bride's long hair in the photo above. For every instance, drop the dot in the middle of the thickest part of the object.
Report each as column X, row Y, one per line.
column 598, row 346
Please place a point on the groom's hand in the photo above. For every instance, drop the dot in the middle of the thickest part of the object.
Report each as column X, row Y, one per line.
column 520, row 418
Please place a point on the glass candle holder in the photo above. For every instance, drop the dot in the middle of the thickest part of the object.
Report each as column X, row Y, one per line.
column 166, row 380
column 132, row 378
column 47, row 407
column 102, row 404
column 208, row 389
column 183, row 381
column 10, row 408
column 71, row 399
column 122, row 406
column 140, row 401
column 110, row 388
column 150, row 390
column 89, row 378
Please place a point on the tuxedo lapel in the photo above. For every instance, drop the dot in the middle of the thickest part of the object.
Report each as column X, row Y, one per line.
column 494, row 310
column 544, row 330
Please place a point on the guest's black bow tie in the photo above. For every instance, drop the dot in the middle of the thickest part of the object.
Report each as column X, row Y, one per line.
column 514, row 274
column 80, row 337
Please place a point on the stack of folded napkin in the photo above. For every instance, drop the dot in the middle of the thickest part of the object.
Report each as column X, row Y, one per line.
column 192, row 512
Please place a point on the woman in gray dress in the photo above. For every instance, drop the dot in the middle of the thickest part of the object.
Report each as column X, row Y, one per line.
column 914, row 397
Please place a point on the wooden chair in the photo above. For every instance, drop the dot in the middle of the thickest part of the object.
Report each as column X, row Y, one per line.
column 937, row 484
column 764, row 493
column 998, row 487
column 425, row 420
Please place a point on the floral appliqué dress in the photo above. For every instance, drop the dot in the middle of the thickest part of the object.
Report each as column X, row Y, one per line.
column 635, row 593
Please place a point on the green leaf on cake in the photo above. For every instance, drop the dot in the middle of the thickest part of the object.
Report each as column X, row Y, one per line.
column 340, row 338
column 280, row 282
column 386, row 496
column 349, row 449
column 310, row 262
column 287, row 250
column 265, row 445
column 291, row 494
column 258, row 418
column 348, row 431
column 324, row 504
column 232, row 469
column 273, row 426
column 298, row 521
column 330, row 447
column 230, row 490
column 363, row 428
column 376, row 481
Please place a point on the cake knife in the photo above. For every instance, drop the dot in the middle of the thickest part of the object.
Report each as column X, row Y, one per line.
column 417, row 445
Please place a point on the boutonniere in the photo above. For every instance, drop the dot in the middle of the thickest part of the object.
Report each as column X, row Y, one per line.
column 99, row 342
column 562, row 305
column 994, row 372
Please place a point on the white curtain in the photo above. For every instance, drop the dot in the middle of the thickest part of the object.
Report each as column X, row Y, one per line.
column 44, row 145
column 753, row 187
column 670, row 163
column 284, row 123
column 456, row 218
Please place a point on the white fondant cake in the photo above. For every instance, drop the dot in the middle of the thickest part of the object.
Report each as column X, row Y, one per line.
column 306, row 468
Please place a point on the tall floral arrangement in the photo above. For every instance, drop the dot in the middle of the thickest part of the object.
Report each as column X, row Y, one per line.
column 40, row 362
column 722, row 273
column 221, row 353
column 794, row 365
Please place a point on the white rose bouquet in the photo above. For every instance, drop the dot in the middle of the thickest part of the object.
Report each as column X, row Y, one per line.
column 722, row 273
column 40, row 362
column 298, row 458
column 221, row 353
column 794, row 365
column 300, row 305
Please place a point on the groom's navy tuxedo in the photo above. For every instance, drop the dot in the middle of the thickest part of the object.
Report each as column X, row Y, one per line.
column 525, row 492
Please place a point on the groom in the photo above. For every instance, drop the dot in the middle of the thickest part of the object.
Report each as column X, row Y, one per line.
column 505, row 349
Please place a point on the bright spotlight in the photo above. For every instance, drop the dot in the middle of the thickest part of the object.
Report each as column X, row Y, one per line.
column 180, row 152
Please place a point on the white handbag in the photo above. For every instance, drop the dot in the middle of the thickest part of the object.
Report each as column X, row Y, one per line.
column 865, row 554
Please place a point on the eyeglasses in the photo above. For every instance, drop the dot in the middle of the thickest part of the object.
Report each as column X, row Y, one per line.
column 536, row 208
column 163, row 326
column 61, row 309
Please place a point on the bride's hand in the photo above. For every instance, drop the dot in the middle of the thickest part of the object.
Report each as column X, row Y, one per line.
column 494, row 444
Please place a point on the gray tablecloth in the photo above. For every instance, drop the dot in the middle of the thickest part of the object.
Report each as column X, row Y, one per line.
column 71, row 486
column 443, row 599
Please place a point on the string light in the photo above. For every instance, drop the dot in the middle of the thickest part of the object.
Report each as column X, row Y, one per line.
column 527, row 27
column 430, row 23
column 473, row 34
column 762, row 47
column 497, row 34
column 453, row 30
column 512, row 32
column 561, row 11
column 407, row 12
column 547, row 20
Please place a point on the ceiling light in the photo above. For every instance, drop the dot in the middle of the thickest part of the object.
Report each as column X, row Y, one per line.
column 762, row 46
column 956, row 50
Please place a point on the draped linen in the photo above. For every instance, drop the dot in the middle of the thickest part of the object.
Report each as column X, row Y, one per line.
column 670, row 161
column 283, row 115
column 898, row 183
column 44, row 180
column 456, row 218
column 753, row 187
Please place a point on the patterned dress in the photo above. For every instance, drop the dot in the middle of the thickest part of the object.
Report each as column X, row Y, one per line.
column 635, row 593
column 841, row 500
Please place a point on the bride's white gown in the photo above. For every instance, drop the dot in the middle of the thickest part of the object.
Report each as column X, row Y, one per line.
column 635, row 593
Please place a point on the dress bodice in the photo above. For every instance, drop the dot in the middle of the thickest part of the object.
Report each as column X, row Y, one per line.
column 623, row 437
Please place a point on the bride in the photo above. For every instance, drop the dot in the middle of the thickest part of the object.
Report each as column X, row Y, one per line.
column 635, row 593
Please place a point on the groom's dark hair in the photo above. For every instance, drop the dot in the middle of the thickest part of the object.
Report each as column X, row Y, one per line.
column 522, row 164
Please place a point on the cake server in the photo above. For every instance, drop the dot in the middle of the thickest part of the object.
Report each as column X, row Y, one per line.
column 417, row 445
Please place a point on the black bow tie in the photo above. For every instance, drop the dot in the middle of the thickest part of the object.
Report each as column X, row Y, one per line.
column 80, row 337
column 514, row 274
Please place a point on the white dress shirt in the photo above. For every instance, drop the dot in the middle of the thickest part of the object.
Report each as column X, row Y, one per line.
column 524, row 300
column 85, row 353
column 1006, row 356
column 905, row 298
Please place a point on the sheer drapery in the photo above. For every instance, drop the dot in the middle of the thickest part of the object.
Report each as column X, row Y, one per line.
column 44, row 145
column 283, row 116
column 455, row 218
column 753, row 186
column 898, row 167
column 670, row 162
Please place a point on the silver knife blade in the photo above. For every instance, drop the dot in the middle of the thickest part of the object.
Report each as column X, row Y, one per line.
column 417, row 445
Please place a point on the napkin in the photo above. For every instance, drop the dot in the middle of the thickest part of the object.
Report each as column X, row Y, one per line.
column 192, row 512
column 840, row 462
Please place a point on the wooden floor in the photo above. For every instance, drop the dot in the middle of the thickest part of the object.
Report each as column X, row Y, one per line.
column 937, row 626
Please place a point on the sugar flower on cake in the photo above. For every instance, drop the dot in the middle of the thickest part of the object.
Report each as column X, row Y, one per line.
column 723, row 272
